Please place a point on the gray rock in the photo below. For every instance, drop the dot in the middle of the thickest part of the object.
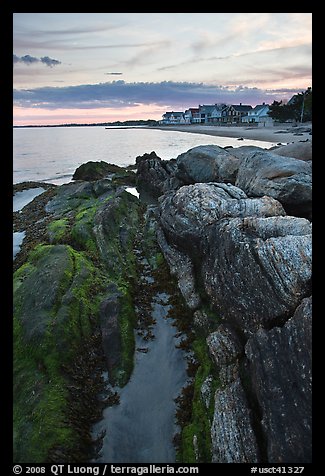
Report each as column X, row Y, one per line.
column 257, row 270
column 181, row 266
column 201, row 320
column 206, row 391
column 186, row 213
column 224, row 346
column 283, row 178
column 297, row 150
column 102, row 186
column 69, row 196
column 207, row 163
column 152, row 174
column 280, row 365
column 243, row 151
column 229, row 373
column 232, row 435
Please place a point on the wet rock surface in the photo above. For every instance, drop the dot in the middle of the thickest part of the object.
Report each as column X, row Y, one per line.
column 153, row 174
column 186, row 214
column 70, row 305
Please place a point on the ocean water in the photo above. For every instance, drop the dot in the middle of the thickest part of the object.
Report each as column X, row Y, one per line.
column 52, row 154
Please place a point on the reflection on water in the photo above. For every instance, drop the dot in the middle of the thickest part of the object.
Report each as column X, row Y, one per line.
column 18, row 237
column 141, row 428
column 21, row 199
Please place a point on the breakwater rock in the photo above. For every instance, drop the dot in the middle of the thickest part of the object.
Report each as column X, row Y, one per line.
column 234, row 228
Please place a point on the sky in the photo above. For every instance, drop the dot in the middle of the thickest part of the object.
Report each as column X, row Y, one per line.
column 103, row 67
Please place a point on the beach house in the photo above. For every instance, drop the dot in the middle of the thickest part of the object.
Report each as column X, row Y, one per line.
column 235, row 113
column 173, row 118
column 259, row 116
column 192, row 115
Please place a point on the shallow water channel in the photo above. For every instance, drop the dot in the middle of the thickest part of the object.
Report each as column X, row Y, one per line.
column 140, row 429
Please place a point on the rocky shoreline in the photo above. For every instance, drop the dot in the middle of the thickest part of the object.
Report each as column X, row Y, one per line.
column 234, row 228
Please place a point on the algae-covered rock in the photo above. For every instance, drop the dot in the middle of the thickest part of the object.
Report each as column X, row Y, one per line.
column 95, row 170
column 63, row 299
column 54, row 309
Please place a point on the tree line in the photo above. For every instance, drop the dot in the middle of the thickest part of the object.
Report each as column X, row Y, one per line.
column 299, row 108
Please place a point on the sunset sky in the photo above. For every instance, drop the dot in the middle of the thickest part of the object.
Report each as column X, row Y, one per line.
column 100, row 67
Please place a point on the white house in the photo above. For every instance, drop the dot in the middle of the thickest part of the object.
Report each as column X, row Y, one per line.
column 217, row 113
column 173, row 118
column 259, row 115
column 192, row 115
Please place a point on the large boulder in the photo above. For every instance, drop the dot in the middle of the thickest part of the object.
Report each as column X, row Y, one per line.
column 283, row 178
column 95, row 170
column 297, row 150
column 207, row 163
column 280, row 366
column 186, row 213
column 244, row 150
column 256, row 270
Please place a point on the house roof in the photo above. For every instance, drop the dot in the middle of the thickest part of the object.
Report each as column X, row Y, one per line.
column 175, row 114
column 260, row 106
column 207, row 107
column 241, row 107
column 259, row 110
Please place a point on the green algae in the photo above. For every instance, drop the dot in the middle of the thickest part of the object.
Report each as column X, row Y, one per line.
column 57, row 295
column 57, row 230
column 51, row 318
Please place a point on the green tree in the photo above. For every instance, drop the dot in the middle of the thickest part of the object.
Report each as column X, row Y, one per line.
column 281, row 112
column 298, row 109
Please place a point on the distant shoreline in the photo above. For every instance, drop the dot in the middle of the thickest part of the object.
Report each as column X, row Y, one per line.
column 284, row 133
column 277, row 134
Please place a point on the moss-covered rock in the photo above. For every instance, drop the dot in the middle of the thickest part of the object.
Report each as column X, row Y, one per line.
column 57, row 229
column 95, row 170
column 59, row 294
column 196, row 410
column 54, row 311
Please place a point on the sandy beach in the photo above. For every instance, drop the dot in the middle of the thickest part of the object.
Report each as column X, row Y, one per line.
column 278, row 134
